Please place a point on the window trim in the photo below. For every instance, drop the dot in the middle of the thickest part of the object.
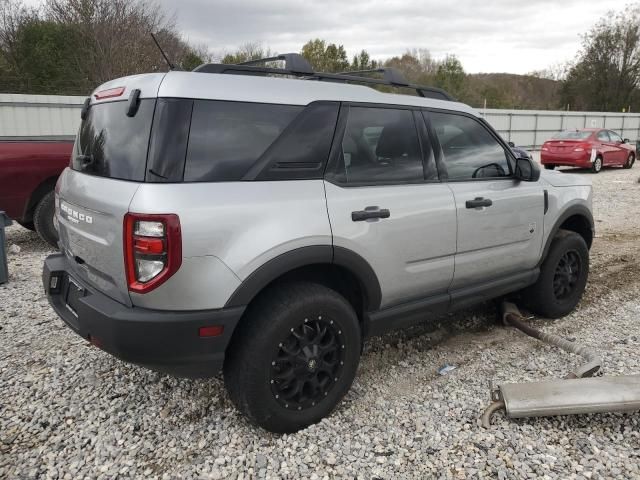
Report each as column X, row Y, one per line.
column 330, row 174
column 510, row 157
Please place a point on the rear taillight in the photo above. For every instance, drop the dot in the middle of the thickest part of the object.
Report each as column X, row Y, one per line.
column 152, row 249
column 583, row 147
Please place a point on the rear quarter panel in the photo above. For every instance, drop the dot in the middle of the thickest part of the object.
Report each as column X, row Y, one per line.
column 229, row 229
column 24, row 166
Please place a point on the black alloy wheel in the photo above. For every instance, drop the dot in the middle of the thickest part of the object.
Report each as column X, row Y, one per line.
column 566, row 275
column 308, row 363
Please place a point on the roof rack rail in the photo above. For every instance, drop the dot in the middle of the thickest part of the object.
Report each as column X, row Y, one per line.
column 391, row 75
column 296, row 65
column 293, row 62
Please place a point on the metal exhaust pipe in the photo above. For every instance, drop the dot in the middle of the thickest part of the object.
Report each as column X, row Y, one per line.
column 576, row 395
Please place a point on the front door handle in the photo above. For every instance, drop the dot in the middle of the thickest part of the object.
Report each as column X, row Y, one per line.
column 479, row 202
column 370, row 212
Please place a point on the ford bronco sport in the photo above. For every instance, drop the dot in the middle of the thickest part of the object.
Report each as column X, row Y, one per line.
column 229, row 218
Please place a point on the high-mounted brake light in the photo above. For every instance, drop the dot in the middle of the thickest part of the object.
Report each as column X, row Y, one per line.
column 152, row 249
column 110, row 93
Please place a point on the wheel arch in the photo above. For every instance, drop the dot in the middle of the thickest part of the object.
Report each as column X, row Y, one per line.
column 578, row 219
column 337, row 268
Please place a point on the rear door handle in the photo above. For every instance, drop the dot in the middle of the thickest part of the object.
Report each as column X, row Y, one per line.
column 479, row 202
column 370, row 212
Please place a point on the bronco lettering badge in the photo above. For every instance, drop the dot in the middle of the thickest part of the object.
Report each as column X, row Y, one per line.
column 75, row 216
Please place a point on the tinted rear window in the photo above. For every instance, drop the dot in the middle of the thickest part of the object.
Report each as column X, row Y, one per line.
column 573, row 135
column 110, row 144
column 226, row 138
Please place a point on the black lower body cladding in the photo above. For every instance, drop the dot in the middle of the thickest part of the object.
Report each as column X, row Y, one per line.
column 165, row 341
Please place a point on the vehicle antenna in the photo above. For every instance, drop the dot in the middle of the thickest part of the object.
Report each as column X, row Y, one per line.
column 166, row 59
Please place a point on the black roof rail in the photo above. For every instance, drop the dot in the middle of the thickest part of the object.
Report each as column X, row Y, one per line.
column 296, row 65
column 294, row 62
column 390, row 75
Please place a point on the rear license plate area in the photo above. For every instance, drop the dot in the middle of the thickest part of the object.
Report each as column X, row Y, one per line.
column 73, row 295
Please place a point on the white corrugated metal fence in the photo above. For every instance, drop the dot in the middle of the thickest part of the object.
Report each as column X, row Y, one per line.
column 53, row 117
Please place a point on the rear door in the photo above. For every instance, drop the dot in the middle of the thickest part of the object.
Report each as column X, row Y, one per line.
column 108, row 165
column 387, row 205
column 499, row 219
column 605, row 148
column 616, row 143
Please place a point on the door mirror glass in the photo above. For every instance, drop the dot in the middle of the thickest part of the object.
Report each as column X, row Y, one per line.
column 526, row 170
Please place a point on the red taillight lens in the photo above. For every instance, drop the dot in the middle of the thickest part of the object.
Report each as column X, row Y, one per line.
column 152, row 249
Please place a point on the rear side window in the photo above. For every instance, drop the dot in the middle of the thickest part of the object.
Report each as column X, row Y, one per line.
column 380, row 145
column 226, row 138
column 112, row 145
column 469, row 151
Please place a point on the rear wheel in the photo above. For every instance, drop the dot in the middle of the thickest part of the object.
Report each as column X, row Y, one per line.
column 630, row 161
column 43, row 219
column 293, row 357
column 597, row 164
column 563, row 277
column 549, row 167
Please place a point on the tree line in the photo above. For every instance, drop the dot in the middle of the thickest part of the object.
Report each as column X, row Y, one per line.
column 71, row 46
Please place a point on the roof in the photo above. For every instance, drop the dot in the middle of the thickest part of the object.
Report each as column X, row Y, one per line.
column 261, row 89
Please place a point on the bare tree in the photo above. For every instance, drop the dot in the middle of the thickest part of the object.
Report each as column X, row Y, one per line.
column 116, row 37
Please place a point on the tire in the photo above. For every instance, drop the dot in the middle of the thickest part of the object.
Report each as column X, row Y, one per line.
column 547, row 297
column 549, row 167
column 43, row 219
column 27, row 225
column 597, row 165
column 630, row 161
column 259, row 371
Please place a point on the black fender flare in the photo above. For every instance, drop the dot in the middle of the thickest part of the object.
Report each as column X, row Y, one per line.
column 304, row 257
column 574, row 210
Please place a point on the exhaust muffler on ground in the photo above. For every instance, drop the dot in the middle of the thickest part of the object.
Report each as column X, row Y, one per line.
column 576, row 394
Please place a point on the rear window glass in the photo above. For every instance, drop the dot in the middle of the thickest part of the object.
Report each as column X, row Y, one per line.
column 110, row 144
column 226, row 138
column 572, row 135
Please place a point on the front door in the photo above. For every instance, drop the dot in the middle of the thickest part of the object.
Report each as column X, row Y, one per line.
column 499, row 218
column 385, row 203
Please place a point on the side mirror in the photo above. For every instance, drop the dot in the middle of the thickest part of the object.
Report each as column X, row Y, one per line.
column 511, row 144
column 526, row 170
column 626, row 140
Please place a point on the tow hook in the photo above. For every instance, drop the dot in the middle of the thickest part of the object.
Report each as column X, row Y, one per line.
column 576, row 394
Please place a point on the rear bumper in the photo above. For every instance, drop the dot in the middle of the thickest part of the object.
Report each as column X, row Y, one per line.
column 166, row 341
column 572, row 159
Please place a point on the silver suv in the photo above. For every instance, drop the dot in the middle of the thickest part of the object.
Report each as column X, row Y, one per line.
column 266, row 221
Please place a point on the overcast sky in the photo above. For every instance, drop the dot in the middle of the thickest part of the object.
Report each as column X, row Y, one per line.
column 487, row 35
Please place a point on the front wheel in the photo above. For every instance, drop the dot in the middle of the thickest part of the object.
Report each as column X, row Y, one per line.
column 597, row 165
column 630, row 161
column 563, row 277
column 293, row 357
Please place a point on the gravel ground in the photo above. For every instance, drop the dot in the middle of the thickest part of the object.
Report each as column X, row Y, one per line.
column 68, row 410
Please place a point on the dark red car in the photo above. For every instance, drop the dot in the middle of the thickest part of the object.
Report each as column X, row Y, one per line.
column 592, row 148
column 28, row 174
